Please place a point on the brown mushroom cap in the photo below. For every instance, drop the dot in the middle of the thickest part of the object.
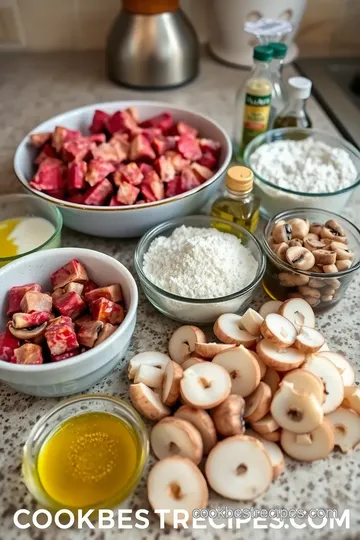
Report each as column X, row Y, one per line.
column 27, row 333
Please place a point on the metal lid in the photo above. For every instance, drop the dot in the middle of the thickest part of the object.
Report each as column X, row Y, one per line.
column 239, row 178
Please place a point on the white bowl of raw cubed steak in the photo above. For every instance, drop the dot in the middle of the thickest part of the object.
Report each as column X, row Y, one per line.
column 67, row 317
column 118, row 169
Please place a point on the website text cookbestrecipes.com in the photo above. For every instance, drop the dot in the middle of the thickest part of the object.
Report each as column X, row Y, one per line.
column 210, row 518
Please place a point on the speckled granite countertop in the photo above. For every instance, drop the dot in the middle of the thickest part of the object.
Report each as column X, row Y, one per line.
column 36, row 87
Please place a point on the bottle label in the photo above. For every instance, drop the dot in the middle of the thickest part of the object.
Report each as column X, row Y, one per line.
column 256, row 116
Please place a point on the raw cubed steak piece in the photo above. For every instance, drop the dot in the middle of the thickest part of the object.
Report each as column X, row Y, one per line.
column 127, row 194
column 40, row 139
column 98, row 195
column 28, row 320
column 122, row 121
column 178, row 161
column 83, row 320
column 189, row 180
column 49, row 176
column 107, row 311
column 204, row 173
column 165, row 168
column 173, row 188
column 106, row 331
column 77, row 198
column 141, row 148
column 77, row 149
column 99, row 121
column 89, row 333
column 65, row 356
column 114, row 202
column 89, row 286
column 70, row 305
column 36, row 301
column 29, row 353
column 76, row 176
column 16, row 294
column 74, row 287
column 47, row 152
column 106, row 152
column 184, row 129
column 129, row 173
column 8, row 343
column 98, row 169
column 151, row 133
column 152, row 187
column 72, row 271
column 62, row 135
column 208, row 145
column 111, row 292
column 97, row 138
column 189, row 147
column 163, row 121
column 209, row 160
column 60, row 336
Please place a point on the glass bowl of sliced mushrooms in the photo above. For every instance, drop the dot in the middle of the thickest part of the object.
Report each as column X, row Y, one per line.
column 311, row 254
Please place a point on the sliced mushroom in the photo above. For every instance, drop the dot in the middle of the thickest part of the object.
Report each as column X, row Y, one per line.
column 281, row 359
column 258, row 403
column 171, row 383
column 273, row 436
column 209, row 350
column 147, row 402
column 311, row 446
column 262, row 365
column 300, row 258
column 251, row 321
column 312, row 242
column 331, row 378
column 227, row 329
column 272, row 379
column 175, row 436
column 274, row 452
column 299, row 227
column 296, row 411
column 149, row 375
column 278, row 330
column 346, row 370
column 306, row 382
column 317, row 283
column 272, row 306
column 267, row 424
column 280, row 250
column 299, row 312
column 330, row 268
column 28, row 333
column 287, row 279
column 205, row 385
column 309, row 340
column 282, row 232
column 324, row 256
column 346, row 425
column 343, row 265
column 315, row 228
column 191, row 361
column 296, row 242
column 333, row 231
column 243, row 370
column 239, row 468
column 309, row 292
column 149, row 358
column 352, row 398
column 202, row 421
column 229, row 416
column 182, row 342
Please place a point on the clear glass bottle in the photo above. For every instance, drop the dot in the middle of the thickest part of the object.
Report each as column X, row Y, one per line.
column 253, row 101
column 238, row 203
column 279, row 93
column 294, row 113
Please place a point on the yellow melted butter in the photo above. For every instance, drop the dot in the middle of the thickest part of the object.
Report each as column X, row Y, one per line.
column 8, row 247
column 88, row 460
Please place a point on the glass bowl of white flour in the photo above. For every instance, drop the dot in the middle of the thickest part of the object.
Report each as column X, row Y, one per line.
column 194, row 269
column 302, row 168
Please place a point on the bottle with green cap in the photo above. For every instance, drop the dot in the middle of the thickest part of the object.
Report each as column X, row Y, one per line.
column 253, row 101
column 279, row 94
column 238, row 203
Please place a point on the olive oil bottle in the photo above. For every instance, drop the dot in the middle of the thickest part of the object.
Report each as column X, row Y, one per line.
column 238, row 204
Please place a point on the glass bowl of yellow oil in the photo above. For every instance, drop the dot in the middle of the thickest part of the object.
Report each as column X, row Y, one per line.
column 87, row 453
column 27, row 224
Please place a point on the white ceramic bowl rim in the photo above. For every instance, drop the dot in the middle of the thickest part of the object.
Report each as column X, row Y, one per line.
column 342, row 143
column 82, row 357
column 104, row 106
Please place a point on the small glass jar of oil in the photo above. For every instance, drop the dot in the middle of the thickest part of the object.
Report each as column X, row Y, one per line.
column 87, row 453
column 238, row 204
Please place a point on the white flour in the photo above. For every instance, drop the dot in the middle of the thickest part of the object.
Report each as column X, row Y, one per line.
column 307, row 165
column 199, row 263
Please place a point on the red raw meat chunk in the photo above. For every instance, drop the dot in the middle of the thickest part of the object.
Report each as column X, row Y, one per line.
column 72, row 271
column 160, row 145
column 115, row 151
column 107, row 311
column 189, row 180
column 99, row 121
column 106, row 332
column 62, row 135
column 65, row 356
column 145, row 168
column 174, row 187
column 76, row 175
column 151, row 133
column 74, row 287
column 152, row 187
column 49, row 176
column 162, row 121
column 29, row 353
column 57, row 194
column 47, row 152
column 141, row 148
column 60, row 336
column 134, row 113
column 130, row 173
column 89, row 333
column 185, row 129
column 98, row 169
column 115, row 202
column 111, row 292
column 121, row 145
column 208, row 160
column 77, row 198
column 122, row 121
column 208, row 145
column 204, row 173
column 36, row 301
column 8, row 343
column 28, row 320
column 189, row 148
column 70, row 305
column 80, row 321
column 39, row 139
column 165, row 168
column 77, row 149
column 89, row 285
column 16, row 294
column 97, row 195
column 127, row 194
column 97, row 138
column 177, row 160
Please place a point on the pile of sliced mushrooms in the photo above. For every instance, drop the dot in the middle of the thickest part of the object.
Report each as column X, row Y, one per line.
column 270, row 385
